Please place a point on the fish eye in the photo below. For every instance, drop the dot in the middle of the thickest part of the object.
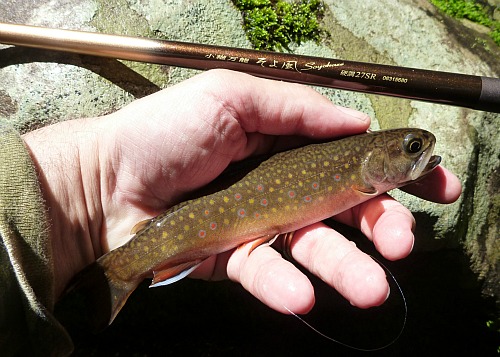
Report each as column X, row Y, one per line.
column 412, row 144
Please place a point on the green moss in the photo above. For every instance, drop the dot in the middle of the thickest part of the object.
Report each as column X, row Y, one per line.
column 275, row 24
column 471, row 10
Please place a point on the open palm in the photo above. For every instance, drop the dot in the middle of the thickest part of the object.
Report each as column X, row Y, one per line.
column 133, row 164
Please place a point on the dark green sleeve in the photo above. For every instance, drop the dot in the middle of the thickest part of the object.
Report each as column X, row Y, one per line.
column 27, row 326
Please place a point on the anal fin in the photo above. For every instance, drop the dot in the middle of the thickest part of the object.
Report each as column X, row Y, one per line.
column 173, row 274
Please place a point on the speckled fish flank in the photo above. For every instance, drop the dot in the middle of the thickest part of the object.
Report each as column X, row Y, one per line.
column 288, row 191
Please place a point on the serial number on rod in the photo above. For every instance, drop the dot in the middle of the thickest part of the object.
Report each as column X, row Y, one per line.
column 395, row 79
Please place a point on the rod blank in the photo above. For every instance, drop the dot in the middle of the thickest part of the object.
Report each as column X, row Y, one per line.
column 476, row 92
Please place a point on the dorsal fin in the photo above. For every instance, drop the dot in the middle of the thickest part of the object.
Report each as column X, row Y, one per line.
column 140, row 226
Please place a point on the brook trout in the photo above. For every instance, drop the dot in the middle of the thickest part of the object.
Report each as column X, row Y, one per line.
column 288, row 191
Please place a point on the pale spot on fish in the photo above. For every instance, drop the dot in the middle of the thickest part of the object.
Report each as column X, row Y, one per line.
column 186, row 227
column 191, row 215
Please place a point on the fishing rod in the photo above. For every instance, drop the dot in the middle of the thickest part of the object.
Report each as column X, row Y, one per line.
column 476, row 92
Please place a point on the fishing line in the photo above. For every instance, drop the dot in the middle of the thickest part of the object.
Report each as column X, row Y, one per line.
column 359, row 348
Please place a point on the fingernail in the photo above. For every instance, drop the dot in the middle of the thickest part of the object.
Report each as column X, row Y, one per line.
column 388, row 293
column 354, row 113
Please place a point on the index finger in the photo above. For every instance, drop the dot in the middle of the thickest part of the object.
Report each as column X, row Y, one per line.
column 440, row 186
column 255, row 105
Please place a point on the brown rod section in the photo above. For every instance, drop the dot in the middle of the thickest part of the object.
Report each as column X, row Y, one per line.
column 482, row 93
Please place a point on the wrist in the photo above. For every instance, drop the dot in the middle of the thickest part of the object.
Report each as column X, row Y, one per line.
column 65, row 156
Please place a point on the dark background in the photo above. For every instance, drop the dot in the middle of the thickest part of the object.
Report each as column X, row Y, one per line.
column 447, row 315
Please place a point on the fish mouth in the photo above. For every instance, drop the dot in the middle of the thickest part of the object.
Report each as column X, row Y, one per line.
column 425, row 164
column 431, row 165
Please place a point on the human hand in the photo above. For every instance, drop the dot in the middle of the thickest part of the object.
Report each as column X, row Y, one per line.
column 100, row 176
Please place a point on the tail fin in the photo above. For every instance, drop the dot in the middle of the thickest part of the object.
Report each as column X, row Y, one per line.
column 102, row 296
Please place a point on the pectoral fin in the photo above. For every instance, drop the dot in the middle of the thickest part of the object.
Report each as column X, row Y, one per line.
column 365, row 190
column 173, row 274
